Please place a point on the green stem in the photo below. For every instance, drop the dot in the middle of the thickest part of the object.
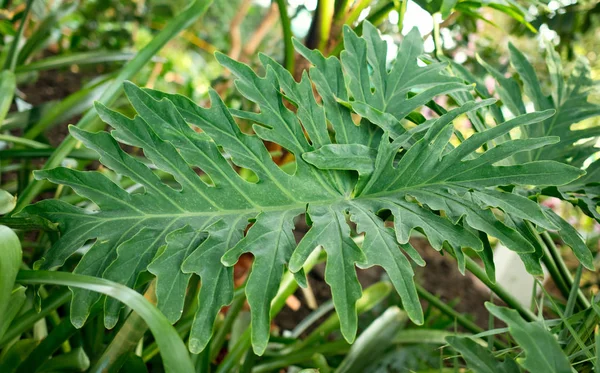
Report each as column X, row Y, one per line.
column 78, row 58
column 401, row 13
column 550, row 264
column 87, row 122
column 341, row 7
column 326, row 8
column 564, row 271
column 219, row 338
column 32, row 223
column 183, row 327
column 379, row 15
column 449, row 311
column 50, row 344
column 13, row 53
column 375, row 18
column 26, row 321
column 437, row 37
column 286, row 26
column 504, row 295
column 25, row 142
column 83, row 154
column 371, row 296
column 74, row 361
column 70, row 106
column 356, row 11
column 586, row 330
column 333, row 348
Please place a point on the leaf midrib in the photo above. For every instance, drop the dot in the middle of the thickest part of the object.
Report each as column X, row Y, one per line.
column 254, row 211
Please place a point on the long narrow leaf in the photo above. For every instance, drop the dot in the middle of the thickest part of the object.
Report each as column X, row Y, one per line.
column 174, row 353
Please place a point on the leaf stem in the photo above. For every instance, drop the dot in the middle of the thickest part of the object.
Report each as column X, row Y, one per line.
column 326, row 9
column 341, row 8
column 460, row 318
column 356, row 11
column 50, row 344
column 564, row 271
column 126, row 339
column 25, row 142
column 219, row 338
column 437, row 37
column 11, row 59
column 287, row 36
column 504, row 295
column 287, row 288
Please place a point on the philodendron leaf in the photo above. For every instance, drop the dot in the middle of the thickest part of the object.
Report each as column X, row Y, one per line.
column 542, row 351
column 414, row 178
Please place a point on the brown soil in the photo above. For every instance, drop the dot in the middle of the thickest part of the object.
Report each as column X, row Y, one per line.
column 53, row 85
column 440, row 276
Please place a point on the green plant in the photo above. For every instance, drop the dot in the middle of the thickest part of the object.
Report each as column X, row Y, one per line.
column 185, row 190
column 414, row 173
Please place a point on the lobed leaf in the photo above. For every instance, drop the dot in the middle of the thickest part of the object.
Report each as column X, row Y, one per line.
column 210, row 215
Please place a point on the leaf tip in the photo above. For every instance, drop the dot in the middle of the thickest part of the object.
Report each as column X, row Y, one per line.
column 259, row 347
column 110, row 321
column 78, row 321
column 38, row 264
column 229, row 259
column 196, row 346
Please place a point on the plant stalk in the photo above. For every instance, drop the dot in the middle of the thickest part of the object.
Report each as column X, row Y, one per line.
column 13, row 53
column 504, row 295
column 287, row 288
column 326, row 9
column 460, row 318
column 286, row 26
column 564, row 271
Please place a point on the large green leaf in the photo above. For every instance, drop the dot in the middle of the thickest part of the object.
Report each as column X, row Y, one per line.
column 415, row 178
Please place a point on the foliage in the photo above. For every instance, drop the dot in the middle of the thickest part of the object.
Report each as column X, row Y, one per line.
column 413, row 174
column 343, row 154
column 570, row 98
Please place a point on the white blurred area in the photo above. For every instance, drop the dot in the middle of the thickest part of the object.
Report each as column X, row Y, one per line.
column 415, row 16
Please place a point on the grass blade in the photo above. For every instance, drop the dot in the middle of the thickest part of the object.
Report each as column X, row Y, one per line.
column 173, row 351
column 10, row 261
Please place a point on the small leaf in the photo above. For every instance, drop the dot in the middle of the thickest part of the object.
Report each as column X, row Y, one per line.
column 7, row 202
column 542, row 351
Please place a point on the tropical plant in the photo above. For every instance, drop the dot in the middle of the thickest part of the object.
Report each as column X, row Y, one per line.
column 364, row 170
column 357, row 173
